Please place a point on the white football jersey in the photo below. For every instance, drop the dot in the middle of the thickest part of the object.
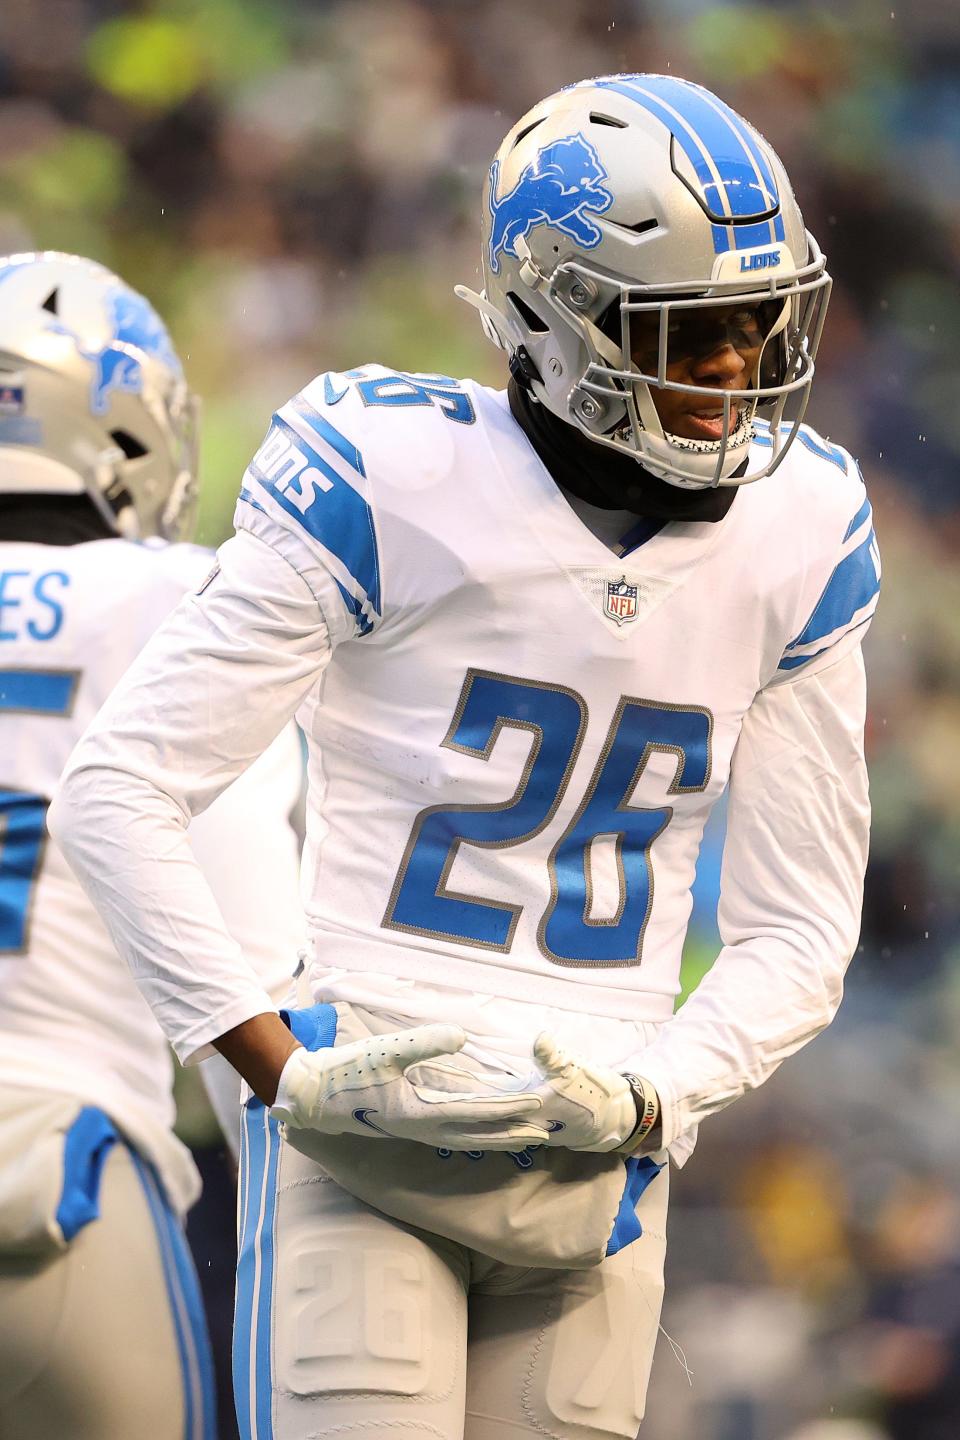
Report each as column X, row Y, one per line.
column 71, row 1019
column 516, row 735
column 513, row 757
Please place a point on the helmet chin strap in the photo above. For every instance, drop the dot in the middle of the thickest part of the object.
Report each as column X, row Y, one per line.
column 662, row 446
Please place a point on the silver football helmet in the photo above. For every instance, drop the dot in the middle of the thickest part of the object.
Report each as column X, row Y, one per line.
column 93, row 398
column 631, row 224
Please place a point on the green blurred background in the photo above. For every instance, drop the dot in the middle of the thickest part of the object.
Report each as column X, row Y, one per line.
column 296, row 187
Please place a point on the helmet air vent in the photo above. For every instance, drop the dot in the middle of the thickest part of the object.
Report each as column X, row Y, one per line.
column 128, row 443
column 611, row 120
column 526, row 130
column 640, row 228
column 52, row 301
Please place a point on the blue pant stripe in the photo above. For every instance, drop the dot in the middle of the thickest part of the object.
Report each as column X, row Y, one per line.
column 193, row 1345
column 252, row 1151
column 243, row 1176
column 264, row 1347
column 193, row 1304
column 748, row 140
column 252, row 1345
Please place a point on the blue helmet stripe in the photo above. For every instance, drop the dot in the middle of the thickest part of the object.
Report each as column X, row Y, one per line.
column 719, row 147
column 747, row 236
column 759, row 159
column 691, row 146
column 748, row 192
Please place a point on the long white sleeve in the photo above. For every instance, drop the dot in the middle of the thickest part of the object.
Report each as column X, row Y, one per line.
column 791, row 893
column 212, row 689
column 249, row 852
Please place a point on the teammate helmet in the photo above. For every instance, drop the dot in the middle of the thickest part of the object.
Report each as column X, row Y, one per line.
column 93, row 398
column 634, row 221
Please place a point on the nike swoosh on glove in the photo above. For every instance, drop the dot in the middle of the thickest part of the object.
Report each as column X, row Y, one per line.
column 363, row 1089
column 585, row 1106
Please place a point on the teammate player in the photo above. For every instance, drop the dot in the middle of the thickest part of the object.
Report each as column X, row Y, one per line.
column 101, row 1330
column 531, row 636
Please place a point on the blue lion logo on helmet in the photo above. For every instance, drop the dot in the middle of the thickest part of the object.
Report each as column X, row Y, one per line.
column 136, row 324
column 558, row 188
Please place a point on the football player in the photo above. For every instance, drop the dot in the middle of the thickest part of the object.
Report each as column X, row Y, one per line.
column 101, row 1329
column 531, row 636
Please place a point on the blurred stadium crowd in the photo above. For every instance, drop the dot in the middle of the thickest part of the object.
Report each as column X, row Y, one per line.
column 295, row 185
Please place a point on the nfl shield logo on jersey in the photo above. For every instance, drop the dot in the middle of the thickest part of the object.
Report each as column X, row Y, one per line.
column 11, row 397
column 621, row 601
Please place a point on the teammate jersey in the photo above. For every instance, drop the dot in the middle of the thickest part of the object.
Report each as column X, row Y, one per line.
column 71, row 1019
column 515, row 736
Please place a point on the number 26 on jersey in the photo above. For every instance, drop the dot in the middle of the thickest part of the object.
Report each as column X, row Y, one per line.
column 421, row 903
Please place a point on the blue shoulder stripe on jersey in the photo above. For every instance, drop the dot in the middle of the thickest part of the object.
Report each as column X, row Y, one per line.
column 719, row 146
column 355, row 607
column 331, row 395
column 823, row 448
column 862, row 515
column 321, row 500
column 854, row 584
column 344, row 447
column 816, row 446
column 249, row 500
column 793, row 662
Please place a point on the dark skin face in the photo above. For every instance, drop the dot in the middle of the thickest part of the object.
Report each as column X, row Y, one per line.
column 717, row 348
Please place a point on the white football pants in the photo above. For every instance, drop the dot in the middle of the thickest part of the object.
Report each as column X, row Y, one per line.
column 106, row 1339
column 351, row 1323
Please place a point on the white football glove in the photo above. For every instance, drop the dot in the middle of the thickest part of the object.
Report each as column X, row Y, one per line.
column 363, row 1089
column 589, row 1107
